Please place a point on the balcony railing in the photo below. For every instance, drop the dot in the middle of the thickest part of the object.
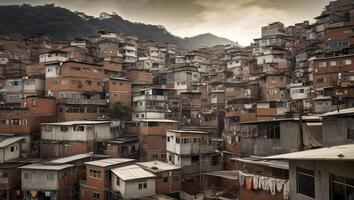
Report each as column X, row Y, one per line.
column 83, row 101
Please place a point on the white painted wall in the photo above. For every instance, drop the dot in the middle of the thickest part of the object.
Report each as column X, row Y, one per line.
column 6, row 154
column 91, row 132
column 39, row 180
column 130, row 189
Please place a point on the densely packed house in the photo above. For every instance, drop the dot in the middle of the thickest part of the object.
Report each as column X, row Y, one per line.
column 113, row 116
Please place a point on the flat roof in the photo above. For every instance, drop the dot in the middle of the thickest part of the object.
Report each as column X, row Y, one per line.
column 108, row 162
column 156, row 120
column 8, row 141
column 38, row 166
column 71, row 158
column 231, row 174
column 280, row 164
column 70, row 123
column 308, row 118
column 120, row 78
column 132, row 172
column 334, row 153
column 158, row 166
column 332, row 57
column 347, row 111
column 187, row 131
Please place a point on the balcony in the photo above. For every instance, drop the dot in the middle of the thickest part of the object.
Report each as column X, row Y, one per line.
column 150, row 97
column 83, row 101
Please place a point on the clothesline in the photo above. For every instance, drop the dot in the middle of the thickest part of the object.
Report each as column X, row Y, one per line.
column 257, row 182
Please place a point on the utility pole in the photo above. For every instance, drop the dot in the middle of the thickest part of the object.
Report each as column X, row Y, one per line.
column 301, row 133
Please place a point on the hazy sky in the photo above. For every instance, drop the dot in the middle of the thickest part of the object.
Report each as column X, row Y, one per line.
column 238, row 20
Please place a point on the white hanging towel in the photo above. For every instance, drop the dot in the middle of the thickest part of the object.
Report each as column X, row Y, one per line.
column 271, row 183
column 279, row 183
column 256, row 182
column 286, row 190
column 241, row 177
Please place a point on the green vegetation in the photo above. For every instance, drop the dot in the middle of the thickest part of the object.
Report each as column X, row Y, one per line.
column 119, row 110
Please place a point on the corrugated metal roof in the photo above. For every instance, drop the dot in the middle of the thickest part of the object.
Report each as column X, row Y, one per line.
column 70, row 123
column 158, row 166
column 132, row 172
column 9, row 141
column 71, row 158
column 38, row 166
column 108, row 162
column 232, row 174
column 279, row 164
column 337, row 153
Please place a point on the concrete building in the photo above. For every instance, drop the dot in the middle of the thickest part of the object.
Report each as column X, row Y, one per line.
column 338, row 127
column 25, row 121
column 74, row 137
column 10, row 148
column 133, row 182
column 320, row 174
column 40, row 181
column 151, row 103
column 195, row 154
column 123, row 147
column 254, row 172
column 152, row 138
column 118, row 90
column 181, row 78
column 54, row 56
column 271, row 137
column 98, row 182
column 168, row 176
column 18, row 88
column 139, row 77
column 78, row 88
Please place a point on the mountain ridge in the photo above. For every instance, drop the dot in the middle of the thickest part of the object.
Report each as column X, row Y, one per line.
column 62, row 23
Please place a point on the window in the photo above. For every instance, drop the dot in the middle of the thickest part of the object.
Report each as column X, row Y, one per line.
column 350, row 134
column 165, row 179
column 323, row 64
column 47, row 128
column 15, row 122
column 332, row 63
column 195, row 158
column 12, row 148
column 142, row 185
column 28, row 176
column 305, row 182
column 3, row 174
column 79, row 128
column 96, row 196
column 95, row 173
column 118, row 181
column 91, row 109
column 273, row 131
column 50, row 177
column 177, row 140
column 34, row 103
column 320, row 80
column 342, row 188
column 63, row 128
column 347, row 62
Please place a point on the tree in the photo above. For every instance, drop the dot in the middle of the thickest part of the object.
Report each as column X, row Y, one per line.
column 119, row 110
